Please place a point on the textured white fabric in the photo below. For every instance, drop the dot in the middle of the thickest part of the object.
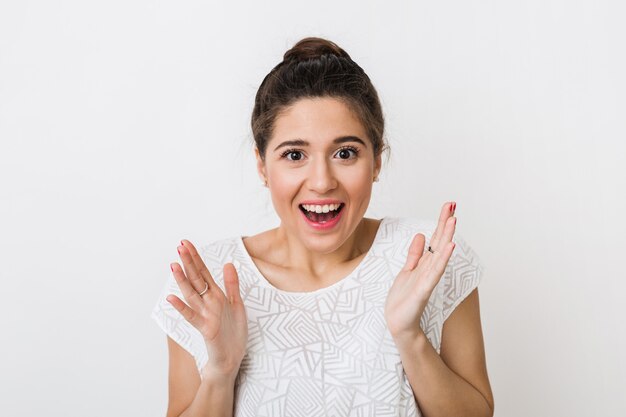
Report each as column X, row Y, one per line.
column 326, row 352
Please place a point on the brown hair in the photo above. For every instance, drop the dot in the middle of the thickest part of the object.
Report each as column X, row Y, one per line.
column 316, row 67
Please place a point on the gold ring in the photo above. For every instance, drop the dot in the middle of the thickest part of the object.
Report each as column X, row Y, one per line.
column 205, row 288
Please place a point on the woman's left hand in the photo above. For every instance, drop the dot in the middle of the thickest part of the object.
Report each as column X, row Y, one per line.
column 412, row 288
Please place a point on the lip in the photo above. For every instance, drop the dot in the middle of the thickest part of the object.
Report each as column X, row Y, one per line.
column 322, row 226
column 322, row 202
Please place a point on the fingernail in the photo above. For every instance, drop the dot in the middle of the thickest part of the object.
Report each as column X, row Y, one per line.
column 172, row 268
column 451, row 207
column 182, row 243
column 178, row 250
column 454, row 207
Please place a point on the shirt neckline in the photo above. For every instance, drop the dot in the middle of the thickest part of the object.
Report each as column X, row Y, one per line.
column 261, row 278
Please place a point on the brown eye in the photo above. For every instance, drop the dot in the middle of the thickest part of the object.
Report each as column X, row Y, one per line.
column 344, row 153
column 296, row 155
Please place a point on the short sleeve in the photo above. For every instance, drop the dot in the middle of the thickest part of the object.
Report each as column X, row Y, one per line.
column 462, row 275
column 175, row 325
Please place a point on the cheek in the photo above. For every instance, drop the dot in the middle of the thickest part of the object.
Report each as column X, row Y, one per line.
column 285, row 182
column 360, row 181
column 283, row 188
column 363, row 187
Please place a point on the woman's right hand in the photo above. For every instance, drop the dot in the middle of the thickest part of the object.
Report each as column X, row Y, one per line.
column 221, row 319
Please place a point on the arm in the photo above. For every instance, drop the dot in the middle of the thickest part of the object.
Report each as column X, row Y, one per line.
column 191, row 396
column 454, row 383
column 221, row 320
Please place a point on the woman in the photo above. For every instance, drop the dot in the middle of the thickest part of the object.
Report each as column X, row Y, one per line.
column 330, row 313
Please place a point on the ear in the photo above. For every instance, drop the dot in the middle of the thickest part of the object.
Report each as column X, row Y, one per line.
column 378, row 163
column 260, row 165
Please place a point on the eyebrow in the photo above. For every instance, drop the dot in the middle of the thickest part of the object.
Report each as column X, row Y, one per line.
column 340, row 139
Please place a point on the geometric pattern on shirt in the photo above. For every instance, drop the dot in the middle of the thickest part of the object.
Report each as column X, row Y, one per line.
column 326, row 352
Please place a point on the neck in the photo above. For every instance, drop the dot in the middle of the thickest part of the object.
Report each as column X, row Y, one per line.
column 316, row 258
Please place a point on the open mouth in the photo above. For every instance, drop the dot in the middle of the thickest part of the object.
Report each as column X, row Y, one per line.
column 316, row 217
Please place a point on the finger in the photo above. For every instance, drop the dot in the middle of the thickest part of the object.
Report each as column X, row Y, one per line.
column 416, row 249
column 448, row 232
column 444, row 238
column 446, row 212
column 231, row 282
column 444, row 215
column 431, row 274
column 196, row 279
column 187, row 312
column 191, row 295
column 200, row 267
column 442, row 258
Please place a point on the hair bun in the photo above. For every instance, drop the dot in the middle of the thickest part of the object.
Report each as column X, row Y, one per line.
column 313, row 47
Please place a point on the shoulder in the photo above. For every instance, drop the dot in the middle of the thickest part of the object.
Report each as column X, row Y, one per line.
column 219, row 251
column 219, row 247
column 408, row 227
column 394, row 239
column 216, row 253
column 464, row 270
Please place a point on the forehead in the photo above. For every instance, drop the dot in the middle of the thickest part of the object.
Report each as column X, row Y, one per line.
column 317, row 120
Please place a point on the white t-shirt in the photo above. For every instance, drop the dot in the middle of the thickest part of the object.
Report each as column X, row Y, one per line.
column 326, row 352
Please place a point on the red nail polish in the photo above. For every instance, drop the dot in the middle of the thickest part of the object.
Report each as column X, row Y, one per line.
column 451, row 207
column 454, row 208
column 178, row 250
column 172, row 268
column 182, row 243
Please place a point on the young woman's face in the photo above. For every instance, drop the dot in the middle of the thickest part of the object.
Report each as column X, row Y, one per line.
column 319, row 155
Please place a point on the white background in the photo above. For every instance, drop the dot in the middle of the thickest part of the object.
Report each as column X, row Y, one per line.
column 124, row 127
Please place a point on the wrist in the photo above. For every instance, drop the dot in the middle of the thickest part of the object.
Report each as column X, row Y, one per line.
column 213, row 376
column 410, row 339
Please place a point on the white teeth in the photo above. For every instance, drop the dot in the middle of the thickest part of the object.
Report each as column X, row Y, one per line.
column 321, row 209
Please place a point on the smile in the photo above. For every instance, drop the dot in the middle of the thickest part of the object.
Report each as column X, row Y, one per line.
column 321, row 214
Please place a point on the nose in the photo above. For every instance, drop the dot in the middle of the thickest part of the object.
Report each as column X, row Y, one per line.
column 321, row 178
